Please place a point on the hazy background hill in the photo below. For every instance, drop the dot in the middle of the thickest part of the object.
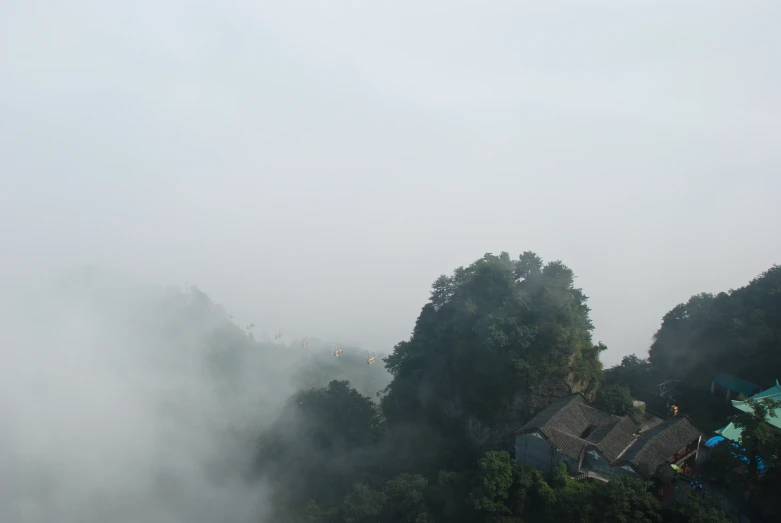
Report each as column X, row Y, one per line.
column 121, row 398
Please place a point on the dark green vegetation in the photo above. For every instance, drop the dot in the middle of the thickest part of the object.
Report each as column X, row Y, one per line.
column 737, row 332
column 135, row 403
column 753, row 469
column 618, row 400
column 497, row 341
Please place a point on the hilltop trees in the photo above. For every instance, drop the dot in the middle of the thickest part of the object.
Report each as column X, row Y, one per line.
column 497, row 341
column 496, row 338
column 736, row 332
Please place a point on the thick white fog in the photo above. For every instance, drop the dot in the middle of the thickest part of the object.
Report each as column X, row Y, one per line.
column 125, row 402
column 315, row 166
column 318, row 164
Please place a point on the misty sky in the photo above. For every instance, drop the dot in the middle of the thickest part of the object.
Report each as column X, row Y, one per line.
column 314, row 166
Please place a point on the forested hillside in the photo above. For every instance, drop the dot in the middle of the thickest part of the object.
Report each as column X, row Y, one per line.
column 497, row 341
column 188, row 327
column 738, row 331
column 128, row 402
column 233, row 428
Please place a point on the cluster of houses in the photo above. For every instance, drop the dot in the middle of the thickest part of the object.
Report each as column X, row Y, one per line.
column 599, row 445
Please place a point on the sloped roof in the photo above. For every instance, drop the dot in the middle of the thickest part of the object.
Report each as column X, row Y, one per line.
column 773, row 393
column 734, row 384
column 656, row 446
column 566, row 419
column 566, row 443
column 650, row 420
column 613, row 440
column 553, row 412
column 730, row 432
column 775, row 390
column 571, row 414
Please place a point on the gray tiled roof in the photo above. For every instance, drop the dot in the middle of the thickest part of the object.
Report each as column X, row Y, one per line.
column 553, row 411
column 567, row 444
column 656, row 446
column 565, row 420
column 614, row 439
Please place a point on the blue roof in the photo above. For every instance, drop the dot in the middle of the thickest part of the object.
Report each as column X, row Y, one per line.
column 734, row 384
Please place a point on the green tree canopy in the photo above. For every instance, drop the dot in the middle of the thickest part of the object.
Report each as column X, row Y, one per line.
column 493, row 483
column 496, row 337
column 322, row 442
column 615, row 399
column 736, row 332
column 634, row 373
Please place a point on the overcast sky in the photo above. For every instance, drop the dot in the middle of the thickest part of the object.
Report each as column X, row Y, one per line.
column 315, row 165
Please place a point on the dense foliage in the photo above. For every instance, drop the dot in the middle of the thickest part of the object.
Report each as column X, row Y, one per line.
column 498, row 338
column 738, row 332
column 755, row 465
column 319, row 445
column 632, row 373
column 497, row 341
column 500, row 491
column 615, row 399
column 618, row 400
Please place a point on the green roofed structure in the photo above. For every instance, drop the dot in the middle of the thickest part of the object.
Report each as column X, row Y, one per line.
column 731, row 386
column 732, row 433
column 773, row 393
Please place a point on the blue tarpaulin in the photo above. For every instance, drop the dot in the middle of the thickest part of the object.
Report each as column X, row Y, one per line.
column 739, row 453
column 713, row 441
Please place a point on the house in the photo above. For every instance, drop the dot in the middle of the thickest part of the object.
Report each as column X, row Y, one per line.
column 593, row 443
column 728, row 386
column 732, row 432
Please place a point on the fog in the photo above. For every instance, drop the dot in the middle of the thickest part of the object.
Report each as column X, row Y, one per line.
column 128, row 402
column 314, row 166
column 318, row 165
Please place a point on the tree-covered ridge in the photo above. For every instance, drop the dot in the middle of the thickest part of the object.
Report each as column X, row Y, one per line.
column 738, row 332
column 498, row 340
column 497, row 336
